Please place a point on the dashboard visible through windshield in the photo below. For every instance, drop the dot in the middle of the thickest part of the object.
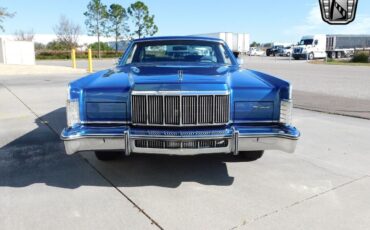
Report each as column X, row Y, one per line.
column 179, row 51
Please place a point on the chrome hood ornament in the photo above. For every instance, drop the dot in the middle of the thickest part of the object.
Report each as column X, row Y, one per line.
column 181, row 75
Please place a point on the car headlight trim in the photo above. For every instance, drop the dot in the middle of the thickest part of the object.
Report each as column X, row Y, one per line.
column 286, row 107
column 73, row 112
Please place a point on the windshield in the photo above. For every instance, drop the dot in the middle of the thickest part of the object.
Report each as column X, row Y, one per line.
column 306, row 42
column 179, row 51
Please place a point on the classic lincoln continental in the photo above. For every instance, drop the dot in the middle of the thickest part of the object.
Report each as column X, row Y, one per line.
column 179, row 96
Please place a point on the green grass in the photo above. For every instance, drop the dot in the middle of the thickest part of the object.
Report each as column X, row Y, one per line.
column 339, row 62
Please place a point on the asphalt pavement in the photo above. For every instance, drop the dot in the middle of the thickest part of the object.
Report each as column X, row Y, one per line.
column 325, row 184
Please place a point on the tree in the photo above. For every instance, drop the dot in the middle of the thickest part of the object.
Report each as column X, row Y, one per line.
column 143, row 21
column 57, row 45
column 4, row 14
column 22, row 35
column 67, row 32
column 39, row 46
column 255, row 44
column 103, row 46
column 96, row 18
column 117, row 18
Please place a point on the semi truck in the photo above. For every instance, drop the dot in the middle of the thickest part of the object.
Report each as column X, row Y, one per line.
column 332, row 46
column 237, row 42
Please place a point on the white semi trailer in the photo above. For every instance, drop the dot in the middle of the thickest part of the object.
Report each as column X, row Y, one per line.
column 237, row 42
column 333, row 46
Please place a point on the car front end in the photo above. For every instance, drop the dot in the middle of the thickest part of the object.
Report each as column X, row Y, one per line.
column 179, row 110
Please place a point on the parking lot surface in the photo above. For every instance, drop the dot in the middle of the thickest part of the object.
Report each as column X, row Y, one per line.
column 324, row 185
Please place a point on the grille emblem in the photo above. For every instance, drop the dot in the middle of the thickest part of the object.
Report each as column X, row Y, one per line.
column 338, row 12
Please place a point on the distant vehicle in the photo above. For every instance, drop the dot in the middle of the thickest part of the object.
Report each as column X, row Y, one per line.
column 256, row 52
column 273, row 50
column 339, row 46
column 179, row 96
column 237, row 42
column 333, row 46
column 285, row 51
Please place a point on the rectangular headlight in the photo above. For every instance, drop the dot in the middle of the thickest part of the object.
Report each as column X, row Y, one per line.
column 286, row 108
column 73, row 112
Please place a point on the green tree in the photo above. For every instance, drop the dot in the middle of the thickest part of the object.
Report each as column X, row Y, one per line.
column 57, row 45
column 103, row 46
column 255, row 44
column 118, row 22
column 4, row 14
column 96, row 19
column 143, row 21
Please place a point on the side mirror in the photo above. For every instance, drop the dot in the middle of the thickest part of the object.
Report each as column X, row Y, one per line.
column 240, row 61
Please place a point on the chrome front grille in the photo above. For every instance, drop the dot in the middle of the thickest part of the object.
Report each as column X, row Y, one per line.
column 191, row 144
column 180, row 110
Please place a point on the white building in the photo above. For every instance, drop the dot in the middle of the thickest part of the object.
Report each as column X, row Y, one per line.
column 17, row 52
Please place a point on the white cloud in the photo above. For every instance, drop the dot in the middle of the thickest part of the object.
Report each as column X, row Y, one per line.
column 315, row 25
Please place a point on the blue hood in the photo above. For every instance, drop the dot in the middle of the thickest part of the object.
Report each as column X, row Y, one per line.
column 167, row 78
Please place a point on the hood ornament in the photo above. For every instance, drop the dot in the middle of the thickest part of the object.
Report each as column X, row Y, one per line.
column 181, row 75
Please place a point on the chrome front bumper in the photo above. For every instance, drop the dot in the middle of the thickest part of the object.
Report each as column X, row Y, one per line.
column 122, row 138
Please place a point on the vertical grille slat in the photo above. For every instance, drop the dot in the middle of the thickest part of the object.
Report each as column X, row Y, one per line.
column 155, row 114
column 205, row 110
column 180, row 110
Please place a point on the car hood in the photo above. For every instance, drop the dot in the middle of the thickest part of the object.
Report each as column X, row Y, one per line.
column 174, row 78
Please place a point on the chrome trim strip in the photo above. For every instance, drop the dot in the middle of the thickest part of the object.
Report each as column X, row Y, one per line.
column 127, row 143
column 236, row 142
column 137, row 137
column 175, row 93
column 105, row 122
column 182, row 39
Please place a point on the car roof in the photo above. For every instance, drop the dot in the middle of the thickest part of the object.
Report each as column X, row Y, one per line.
column 168, row 38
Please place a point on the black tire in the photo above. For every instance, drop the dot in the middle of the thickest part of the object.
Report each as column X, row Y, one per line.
column 288, row 54
column 311, row 56
column 108, row 155
column 251, row 155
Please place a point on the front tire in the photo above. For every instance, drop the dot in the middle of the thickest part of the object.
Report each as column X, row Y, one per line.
column 251, row 155
column 107, row 155
column 311, row 56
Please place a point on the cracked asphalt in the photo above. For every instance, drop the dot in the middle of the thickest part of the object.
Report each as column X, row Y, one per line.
column 324, row 185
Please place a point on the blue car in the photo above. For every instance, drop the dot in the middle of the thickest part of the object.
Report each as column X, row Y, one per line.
column 179, row 96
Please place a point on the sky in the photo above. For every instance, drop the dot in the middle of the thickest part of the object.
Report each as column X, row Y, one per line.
column 264, row 20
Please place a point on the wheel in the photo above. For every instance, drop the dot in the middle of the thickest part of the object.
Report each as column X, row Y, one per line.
column 339, row 55
column 107, row 155
column 288, row 54
column 311, row 56
column 251, row 155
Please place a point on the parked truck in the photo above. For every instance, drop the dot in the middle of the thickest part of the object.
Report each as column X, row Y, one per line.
column 333, row 46
column 237, row 42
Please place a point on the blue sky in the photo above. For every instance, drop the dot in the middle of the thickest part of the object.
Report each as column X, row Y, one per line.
column 265, row 20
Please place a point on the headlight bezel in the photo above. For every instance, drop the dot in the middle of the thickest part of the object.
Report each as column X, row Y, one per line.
column 286, row 108
column 73, row 112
